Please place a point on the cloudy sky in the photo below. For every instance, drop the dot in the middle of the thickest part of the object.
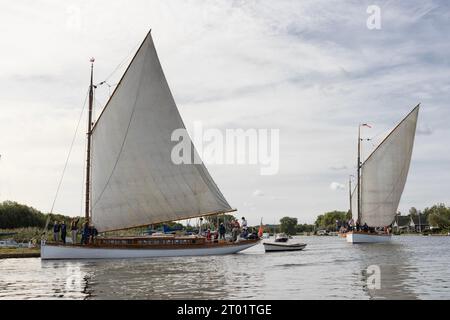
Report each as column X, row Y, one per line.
column 311, row 69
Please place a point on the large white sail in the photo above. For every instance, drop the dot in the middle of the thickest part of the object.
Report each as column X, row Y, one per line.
column 134, row 181
column 384, row 173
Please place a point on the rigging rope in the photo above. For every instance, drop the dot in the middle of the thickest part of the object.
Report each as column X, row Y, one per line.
column 76, row 131
column 120, row 64
column 105, row 81
column 65, row 165
column 83, row 181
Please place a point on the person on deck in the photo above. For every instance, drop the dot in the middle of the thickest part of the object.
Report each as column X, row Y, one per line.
column 200, row 227
column 244, row 233
column 56, row 228
column 365, row 227
column 253, row 234
column 92, row 233
column 222, row 231
column 63, row 232
column 74, row 229
column 244, row 223
column 85, row 233
column 236, row 229
column 351, row 222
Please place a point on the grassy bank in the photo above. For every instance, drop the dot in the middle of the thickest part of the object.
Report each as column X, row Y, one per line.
column 19, row 253
column 22, row 235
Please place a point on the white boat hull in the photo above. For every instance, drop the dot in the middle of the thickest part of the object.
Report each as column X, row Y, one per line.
column 367, row 238
column 270, row 246
column 54, row 252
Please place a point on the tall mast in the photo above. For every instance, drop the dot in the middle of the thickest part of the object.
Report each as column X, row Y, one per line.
column 359, row 174
column 88, row 151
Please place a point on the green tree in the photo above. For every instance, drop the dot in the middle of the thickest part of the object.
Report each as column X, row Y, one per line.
column 14, row 215
column 211, row 221
column 288, row 225
column 348, row 216
column 328, row 220
column 438, row 216
column 221, row 218
column 413, row 212
column 300, row 228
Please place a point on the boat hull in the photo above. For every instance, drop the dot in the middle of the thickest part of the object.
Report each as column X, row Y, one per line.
column 56, row 252
column 271, row 247
column 360, row 237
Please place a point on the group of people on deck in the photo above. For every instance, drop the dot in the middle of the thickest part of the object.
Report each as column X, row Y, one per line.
column 351, row 225
column 237, row 230
column 87, row 232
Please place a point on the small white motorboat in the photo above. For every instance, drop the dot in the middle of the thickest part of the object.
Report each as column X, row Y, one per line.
column 282, row 243
column 283, row 246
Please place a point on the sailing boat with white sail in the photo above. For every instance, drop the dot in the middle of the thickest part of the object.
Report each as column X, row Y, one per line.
column 131, row 175
column 381, row 180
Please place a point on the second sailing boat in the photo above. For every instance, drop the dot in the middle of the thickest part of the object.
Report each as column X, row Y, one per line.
column 381, row 180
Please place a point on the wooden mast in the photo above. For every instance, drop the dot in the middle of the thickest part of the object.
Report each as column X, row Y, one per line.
column 359, row 174
column 89, row 141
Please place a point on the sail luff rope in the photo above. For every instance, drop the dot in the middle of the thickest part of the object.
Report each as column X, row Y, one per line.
column 69, row 153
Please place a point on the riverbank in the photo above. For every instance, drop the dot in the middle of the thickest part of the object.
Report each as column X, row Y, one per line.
column 6, row 253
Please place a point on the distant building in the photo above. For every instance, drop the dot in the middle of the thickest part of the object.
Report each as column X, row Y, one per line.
column 418, row 223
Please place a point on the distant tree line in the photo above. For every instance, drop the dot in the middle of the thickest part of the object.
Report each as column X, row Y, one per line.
column 437, row 217
column 327, row 221
column 14, row 215
column 290, row 226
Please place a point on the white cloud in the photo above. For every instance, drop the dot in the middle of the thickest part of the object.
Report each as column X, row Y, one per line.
column 339, row 168
column 337, row 186
column 424, row 130
column 278, row 198
column 258, row 193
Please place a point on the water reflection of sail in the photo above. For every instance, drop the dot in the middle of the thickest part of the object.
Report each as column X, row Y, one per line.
column 394, row 270
column 69, row 279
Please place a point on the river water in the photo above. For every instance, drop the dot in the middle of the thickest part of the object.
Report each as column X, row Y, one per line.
column 410, row 267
